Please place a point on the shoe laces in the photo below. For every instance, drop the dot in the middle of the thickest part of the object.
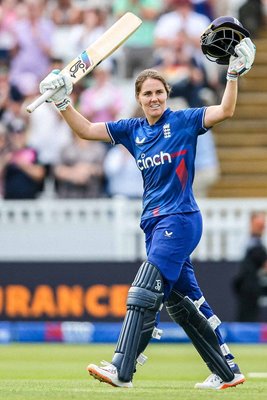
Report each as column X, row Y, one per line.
column 217, row 379
column 108, row 366
column 213, row 378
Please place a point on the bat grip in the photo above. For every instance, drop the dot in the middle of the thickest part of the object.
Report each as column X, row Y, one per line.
column 40, row 100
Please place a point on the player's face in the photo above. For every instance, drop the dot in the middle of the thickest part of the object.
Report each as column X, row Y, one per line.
column 152, row 99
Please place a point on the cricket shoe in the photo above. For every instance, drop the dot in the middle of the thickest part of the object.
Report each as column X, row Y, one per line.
column 107, row 373
column 215, row 382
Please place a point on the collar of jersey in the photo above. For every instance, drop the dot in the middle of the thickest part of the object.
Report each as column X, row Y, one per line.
column 159, row 121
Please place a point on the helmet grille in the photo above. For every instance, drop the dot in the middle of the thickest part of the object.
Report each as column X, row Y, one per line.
column 218, row 45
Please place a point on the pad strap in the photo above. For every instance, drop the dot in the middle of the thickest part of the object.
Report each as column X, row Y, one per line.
column 214, row 321
column 198, row 303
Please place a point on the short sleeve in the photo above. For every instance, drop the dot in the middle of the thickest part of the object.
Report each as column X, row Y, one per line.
column 195, row 118
column 122, row 132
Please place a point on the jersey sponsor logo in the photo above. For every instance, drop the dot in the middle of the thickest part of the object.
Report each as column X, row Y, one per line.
column 139, row 141
column 158, row 159
column 154, row 161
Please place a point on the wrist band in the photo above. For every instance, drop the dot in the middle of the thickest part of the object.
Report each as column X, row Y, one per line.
column 63, row 104
column 231, row 76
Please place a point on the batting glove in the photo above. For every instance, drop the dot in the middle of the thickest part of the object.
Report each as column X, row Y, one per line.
column 56, row 80
column 240, row 65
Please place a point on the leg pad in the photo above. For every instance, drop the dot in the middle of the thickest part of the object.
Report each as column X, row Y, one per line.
column 143, row 302
column 183, row 311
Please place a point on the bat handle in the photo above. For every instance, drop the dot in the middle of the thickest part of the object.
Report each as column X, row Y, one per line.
column 40, row 100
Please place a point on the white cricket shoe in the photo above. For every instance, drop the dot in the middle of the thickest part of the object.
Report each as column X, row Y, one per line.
column 107, row 373
column 215, row 382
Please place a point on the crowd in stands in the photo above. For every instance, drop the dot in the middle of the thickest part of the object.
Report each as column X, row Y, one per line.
column 39, row 155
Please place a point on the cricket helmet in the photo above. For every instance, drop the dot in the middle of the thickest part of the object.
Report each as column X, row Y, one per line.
column 220, row 38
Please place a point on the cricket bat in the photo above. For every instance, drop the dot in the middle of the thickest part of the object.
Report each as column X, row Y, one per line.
column 103, row 47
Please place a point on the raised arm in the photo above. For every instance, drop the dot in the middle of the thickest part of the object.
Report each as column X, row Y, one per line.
column 77, row 122
column 238, row 66
column 83, row 127
column 225, row 110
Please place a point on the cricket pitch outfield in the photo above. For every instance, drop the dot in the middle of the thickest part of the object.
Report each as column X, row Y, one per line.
column 58, row 371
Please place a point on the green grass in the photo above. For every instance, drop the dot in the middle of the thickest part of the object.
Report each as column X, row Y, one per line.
column 58, row 371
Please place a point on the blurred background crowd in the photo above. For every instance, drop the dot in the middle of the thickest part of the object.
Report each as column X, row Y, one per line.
column 39, row 155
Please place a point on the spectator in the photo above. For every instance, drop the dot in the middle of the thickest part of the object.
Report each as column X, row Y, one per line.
column 182, row 21
column 178, row 31
column 43, row 124
column 79, row 173
column 65, row 12
column 138, row 50
column 22, row 174
column 91, row 28
column 247, row 283
column 206, row 7
column 48, row 139
column 8, row 17
column 183, row 74
column 4, row 89
column 13, row 104
column 103, row 101
column 250, row 14
column 3, row 154
column 34, row 38
column 122, row 176
column 43, row 138
column 65, row 15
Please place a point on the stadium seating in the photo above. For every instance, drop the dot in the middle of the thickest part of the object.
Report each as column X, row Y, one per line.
column 242, row 141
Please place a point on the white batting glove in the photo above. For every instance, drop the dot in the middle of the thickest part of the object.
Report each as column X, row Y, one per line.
column 240, row 65
column 56, row 80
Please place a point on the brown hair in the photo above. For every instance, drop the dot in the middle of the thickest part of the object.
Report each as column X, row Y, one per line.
column 146, row 74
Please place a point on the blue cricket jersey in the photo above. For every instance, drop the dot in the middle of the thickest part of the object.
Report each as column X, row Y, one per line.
column 165, row 154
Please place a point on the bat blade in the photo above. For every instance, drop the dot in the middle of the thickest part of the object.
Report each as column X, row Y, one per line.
column 98, row 51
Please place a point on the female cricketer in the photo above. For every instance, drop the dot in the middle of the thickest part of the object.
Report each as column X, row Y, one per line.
column 163, row 144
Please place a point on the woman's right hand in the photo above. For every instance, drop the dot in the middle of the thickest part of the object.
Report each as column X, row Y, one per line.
column 62, row 82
